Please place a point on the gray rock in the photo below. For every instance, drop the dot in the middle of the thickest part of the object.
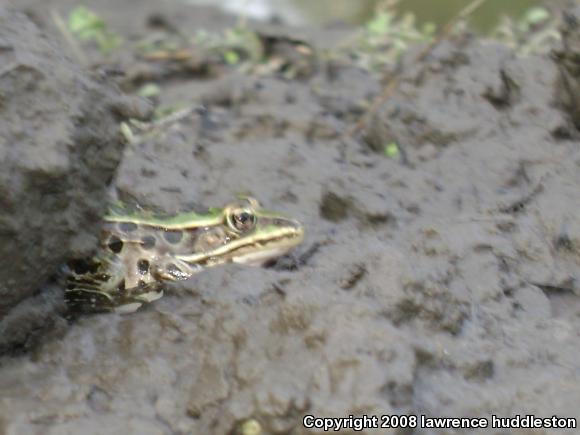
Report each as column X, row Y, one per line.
column 59, row 148
column 566, row 57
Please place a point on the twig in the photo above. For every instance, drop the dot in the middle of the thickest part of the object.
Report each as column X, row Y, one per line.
column 390, row 87
column 393, row 83
column 448, row 28
column 243, row 17
column 176, row 55
column 146, row 128
column 68, row 37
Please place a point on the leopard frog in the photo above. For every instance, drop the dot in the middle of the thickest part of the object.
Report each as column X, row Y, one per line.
column 140, row 250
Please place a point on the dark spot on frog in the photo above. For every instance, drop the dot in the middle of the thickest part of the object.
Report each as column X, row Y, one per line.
column 115, row 244
column 333, row 207
column 127, row 227
column 81, row 267
column 148, row 242
column 173, row 237
column 143, row 266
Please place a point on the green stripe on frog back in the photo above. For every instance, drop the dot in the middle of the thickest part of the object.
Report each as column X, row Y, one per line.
column 178, row 221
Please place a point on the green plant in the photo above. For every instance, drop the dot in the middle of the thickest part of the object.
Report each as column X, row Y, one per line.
column 149, row 90
column 386, row 36
column 87, row 25
column 391, row 150
column 535, row 32
column 236, row 45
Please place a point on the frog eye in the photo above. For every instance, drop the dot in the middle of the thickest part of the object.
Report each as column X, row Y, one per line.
column 242, row 220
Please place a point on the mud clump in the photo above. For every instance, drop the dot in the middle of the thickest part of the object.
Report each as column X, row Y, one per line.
column 567, row 57
column 334, row 208
column 59, row 147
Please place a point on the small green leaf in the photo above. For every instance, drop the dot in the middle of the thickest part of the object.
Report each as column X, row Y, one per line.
column 428, row 29
column 149, row 90
column 127, row 132
column 380, row 24
column 86, row 24
column 107, row 42
column 84, row 21
column 536, row 16
column 164, row 111
column 231, row 57
column 391, row 150
column 251, row 427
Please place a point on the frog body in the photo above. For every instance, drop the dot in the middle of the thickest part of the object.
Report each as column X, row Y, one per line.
column 139, row 250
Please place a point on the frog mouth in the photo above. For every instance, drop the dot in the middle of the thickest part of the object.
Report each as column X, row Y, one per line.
column 256, row 250
column 257, row 254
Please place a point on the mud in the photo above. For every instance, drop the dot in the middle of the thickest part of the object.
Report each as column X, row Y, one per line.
column 444, row 281
column 55, row 121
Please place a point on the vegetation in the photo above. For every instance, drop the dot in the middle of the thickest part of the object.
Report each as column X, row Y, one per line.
column 233, row 45
column 378, row 44
column 88, row 26
column 535, row 32
column 386, row 36
column 392, row 150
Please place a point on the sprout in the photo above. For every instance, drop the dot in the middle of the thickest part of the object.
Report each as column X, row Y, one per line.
column 391, row 150
column 149, row 90
column 87, row 25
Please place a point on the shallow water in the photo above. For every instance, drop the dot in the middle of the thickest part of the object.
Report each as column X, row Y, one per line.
column 306, row 12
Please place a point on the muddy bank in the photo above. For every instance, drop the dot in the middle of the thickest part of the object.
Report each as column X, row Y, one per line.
column 443, row 281
column 60, row 146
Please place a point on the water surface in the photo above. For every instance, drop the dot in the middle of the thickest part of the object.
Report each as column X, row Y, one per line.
column 320, row 12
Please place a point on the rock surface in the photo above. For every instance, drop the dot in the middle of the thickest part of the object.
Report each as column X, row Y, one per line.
column 567, row 57
column 59, row 148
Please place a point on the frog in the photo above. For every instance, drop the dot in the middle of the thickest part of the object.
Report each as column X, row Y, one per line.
column 140, row 250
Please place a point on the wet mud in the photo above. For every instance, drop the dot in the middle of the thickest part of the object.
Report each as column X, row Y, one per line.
column 60, row 146
column 442, row 281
